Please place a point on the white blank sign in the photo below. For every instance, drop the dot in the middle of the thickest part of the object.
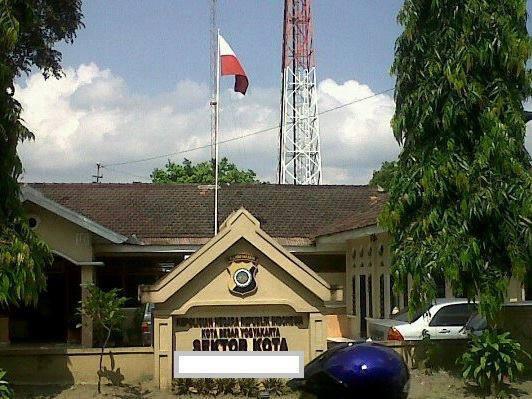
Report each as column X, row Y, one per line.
column 238, row 364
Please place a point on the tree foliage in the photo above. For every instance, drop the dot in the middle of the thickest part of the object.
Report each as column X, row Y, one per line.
column 202, row 173
column 105, row 310
column 29, row 30
column 460, row 206
column 384, row 176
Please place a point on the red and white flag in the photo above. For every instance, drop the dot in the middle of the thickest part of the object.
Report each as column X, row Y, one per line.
column 230, row 65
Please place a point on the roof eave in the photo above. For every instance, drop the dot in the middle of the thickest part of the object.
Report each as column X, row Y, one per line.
column 351, row 234
column 32, row 195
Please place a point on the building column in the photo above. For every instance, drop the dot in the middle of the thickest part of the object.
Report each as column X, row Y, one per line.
column 162, row 351
column 448, row 289
column 87, row 278
column 318, row 335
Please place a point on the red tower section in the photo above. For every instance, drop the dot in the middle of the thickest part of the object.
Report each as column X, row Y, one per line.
column 298, row 50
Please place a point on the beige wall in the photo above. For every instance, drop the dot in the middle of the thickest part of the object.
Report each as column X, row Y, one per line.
column 337, row 326
column 207, row 295
column 516, row 291
column 62, row 235
column 211, row 287
column 75, row 366
column 200, row 288
column 297, row 337
column 369, row 256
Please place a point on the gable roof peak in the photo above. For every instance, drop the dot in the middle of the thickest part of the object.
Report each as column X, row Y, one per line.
column 241, row 215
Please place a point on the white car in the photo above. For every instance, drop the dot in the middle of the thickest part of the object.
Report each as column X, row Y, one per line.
column 443, row 320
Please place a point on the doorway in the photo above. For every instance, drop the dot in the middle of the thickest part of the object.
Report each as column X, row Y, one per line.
column 54, row 315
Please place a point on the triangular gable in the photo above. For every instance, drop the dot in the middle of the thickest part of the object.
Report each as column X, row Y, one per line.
column 240, row 225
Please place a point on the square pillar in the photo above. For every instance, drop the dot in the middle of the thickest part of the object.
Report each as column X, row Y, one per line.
column 318, row 335
column 448, row 289
column 87, row 277
column 162, row 351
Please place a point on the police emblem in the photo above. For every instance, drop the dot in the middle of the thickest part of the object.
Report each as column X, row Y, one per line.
column 242, row 272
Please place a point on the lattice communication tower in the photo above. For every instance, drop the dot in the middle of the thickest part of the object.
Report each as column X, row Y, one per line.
column 299, row 138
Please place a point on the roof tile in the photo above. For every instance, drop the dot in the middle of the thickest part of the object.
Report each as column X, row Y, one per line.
column 159, row 212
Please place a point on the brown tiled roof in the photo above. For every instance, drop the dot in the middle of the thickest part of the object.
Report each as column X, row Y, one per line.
column 167, row 213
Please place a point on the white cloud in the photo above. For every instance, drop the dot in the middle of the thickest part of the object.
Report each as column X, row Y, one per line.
column 91, row 116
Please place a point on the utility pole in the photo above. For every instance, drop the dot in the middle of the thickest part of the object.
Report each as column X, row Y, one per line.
column 98, row 175
column 299, row 137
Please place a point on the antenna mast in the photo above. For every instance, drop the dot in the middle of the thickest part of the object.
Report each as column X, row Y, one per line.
column 299, row 138
column 98, row 175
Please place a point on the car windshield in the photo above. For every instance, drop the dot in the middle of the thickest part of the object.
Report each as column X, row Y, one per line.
column 404, row 316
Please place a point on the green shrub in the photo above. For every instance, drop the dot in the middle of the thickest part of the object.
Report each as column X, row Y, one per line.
column 5, row 390
column 225, row 385
column 181, row 385
column 491, row 358
column 248, row 386
column 275, row 386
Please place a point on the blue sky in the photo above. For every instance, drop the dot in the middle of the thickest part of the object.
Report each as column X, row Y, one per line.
column 157, row 43
column 137, row 78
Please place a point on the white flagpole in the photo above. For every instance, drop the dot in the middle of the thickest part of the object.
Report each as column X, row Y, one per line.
column 216, row 125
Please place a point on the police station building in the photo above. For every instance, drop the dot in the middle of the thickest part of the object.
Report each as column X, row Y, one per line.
column 292, row 268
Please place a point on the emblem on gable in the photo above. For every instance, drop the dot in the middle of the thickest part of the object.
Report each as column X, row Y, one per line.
column 242, row 271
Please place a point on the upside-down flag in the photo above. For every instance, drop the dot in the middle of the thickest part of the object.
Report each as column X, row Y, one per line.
column 230, row 65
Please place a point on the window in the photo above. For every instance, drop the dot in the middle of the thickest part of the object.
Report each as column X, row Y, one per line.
column 405, row 294
column 362, row 302
column 453, row 315
column 370, row 296
column 404, row 315
column 33, row 222
column 393, row 299
column 381, row 293
column 440, row 286
column 354, row 294
column 528, row 286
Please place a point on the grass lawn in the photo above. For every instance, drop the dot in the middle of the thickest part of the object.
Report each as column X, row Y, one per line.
column 439, row 385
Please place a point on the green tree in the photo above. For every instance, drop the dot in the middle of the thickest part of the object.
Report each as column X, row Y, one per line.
column 384, row 176
column 460, row 206
column 105, row 310
column 29, row 30
column 202, row 173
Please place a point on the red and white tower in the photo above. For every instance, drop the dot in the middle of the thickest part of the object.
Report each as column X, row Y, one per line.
column 299, row 139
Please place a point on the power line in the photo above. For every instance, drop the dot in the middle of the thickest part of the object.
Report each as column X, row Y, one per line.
column 120, row 172
column 237, row 137
column 354, row 102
